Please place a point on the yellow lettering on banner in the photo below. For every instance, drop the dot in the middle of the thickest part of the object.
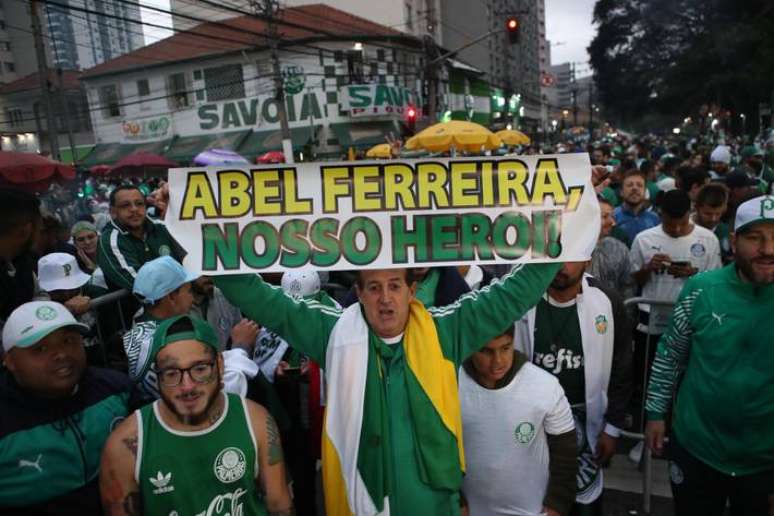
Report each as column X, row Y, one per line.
column 464, row 184
column 548, row 183
column 266, row 192
column 293, row 204
column 198, row 196
column 511, row 176
column 431, row 181
column 398, row 180
column 335, row 184
column 366, row 185
column 487, row 184
column 234, row 189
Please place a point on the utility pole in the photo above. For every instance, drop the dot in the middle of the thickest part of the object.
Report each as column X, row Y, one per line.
column 40, row 51
column 591, row 110
column 269, row 9
column 574, row 96
column 65, row 110
column 431, row 78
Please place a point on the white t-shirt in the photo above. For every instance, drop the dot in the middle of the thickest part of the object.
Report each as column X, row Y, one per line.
column 700, row 247
column 506, row 450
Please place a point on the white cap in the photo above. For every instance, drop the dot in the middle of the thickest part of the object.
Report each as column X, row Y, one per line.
column 35, row 320
column 301, row 283
column 759, row 209
column 721, row 154
column 60, row 271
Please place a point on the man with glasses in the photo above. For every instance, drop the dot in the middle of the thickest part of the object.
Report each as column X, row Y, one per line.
column 131, row 239
column 197, row 450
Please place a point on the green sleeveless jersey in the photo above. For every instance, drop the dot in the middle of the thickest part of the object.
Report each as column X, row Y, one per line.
column 202, row 473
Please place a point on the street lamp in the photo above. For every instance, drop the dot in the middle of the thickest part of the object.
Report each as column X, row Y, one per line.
column 676, row 130
column 744, row 122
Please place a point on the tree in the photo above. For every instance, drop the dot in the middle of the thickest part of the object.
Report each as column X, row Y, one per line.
column 669, row 57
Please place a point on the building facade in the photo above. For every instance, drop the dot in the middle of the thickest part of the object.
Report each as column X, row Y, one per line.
column 341, row 92
column 90, row 32
column 24, row 111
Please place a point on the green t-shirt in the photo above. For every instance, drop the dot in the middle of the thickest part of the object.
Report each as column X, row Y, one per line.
column 559, row 348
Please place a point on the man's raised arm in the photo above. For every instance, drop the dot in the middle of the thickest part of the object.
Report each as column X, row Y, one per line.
column 305, row 325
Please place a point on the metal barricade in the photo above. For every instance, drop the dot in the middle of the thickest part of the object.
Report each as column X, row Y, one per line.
column 102, row 301
column 657, row 320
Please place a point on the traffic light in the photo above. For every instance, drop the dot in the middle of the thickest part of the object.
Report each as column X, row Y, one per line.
column 411, row 118
column 512, row 27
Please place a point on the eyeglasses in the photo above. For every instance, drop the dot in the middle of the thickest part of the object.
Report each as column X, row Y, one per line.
column 199, row 373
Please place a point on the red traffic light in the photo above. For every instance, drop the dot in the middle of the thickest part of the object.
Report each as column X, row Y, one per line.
column 512, row 24
column 411, row 113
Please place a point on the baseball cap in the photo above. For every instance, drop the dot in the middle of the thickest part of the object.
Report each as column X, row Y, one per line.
column 159, row 277
column 33, row 321
column 721, row 154
column 758, row 209
column 301, row 283
column 60, row 271
column 199, row 330
column 751, row 150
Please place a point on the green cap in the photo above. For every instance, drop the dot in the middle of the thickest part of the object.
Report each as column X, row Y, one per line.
column 200, row 331
column 751, row 150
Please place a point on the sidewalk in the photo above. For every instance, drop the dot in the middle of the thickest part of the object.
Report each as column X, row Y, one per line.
column 623, row 489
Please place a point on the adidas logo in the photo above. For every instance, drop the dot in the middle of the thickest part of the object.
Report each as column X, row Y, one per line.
column 161, row 482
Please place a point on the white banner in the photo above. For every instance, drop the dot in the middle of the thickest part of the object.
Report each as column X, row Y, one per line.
column 384, row 214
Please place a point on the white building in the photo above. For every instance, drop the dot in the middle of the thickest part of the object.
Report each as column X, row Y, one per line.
column 212, row 88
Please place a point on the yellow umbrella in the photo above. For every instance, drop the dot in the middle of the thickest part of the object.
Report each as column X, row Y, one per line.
column 513, row 137
column 383, row 150
column 464, row 136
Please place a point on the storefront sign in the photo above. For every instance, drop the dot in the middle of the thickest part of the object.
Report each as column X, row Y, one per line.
column 396, row 213
column 250, row 112
column 156, row 128
column 377, row 99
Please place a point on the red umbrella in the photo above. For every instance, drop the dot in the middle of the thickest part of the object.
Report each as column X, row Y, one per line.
column 100, row 170
column 32, row 172
column 139, row 161
column 271, row 157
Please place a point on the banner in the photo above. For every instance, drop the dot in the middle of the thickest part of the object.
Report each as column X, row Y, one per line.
column 385, row 214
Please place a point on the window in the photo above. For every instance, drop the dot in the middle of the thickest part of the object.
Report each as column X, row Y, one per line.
column 178, row 91
column 5, row 45
column 355, row 66
column 409, row 17
column 14, row 116
column 2, row 25
column 109, row 101
column 9, row 67
column 143, row 88
column 224, row 82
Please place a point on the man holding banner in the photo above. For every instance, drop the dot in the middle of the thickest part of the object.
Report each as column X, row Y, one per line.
column 392, row 436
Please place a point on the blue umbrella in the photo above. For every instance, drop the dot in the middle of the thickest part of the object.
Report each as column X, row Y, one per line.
column 219, row 157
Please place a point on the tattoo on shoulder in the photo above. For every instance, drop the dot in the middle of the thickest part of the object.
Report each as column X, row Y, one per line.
column 273, row 438
column 133, row 504
column 131, row 444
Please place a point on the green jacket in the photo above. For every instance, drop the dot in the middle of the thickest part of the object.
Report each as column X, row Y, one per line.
column 120, row 254
column 721, row 334
column 463, row 328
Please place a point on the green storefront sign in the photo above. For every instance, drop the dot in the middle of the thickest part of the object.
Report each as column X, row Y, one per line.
column 377, row 99
column 252, row 111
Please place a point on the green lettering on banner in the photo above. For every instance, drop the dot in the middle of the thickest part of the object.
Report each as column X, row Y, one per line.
column 548, row 231
column 475, row 237
column 403, row 238
column 220, row 245
column 230, row 116
column 359, row 96
column 296, row 247
column 208, row 117
column 249, row 111
column 265, row 111
column 265, row 231
column 323, row 235
column 370, row 230
column 443, row 229
column 502, row 224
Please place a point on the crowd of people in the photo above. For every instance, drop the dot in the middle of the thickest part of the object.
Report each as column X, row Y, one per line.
column 442, row 390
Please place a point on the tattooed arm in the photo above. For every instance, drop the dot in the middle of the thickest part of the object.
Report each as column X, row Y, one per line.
column 119, row 492
column 272, row 480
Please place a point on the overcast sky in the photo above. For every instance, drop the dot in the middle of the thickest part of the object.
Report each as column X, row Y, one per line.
column 569, row 22
column 568, row 27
